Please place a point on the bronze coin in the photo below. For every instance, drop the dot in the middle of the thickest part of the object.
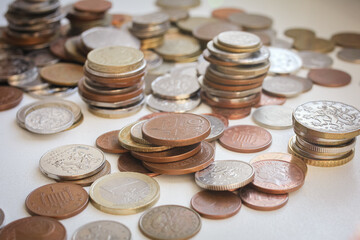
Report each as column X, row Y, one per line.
column 207, row 31
column 116, row 82
column 193, row 164
column 254, row 199
column 216, row 204
column 151, row 115
column 98, row 6
column 266, row 99
column 212, row 84
column 221, row 117
column 233, row 82
column 347, row 40
column 229, row 103
column 58, row 49
column 232, row 114
column 246, row 139
column 224, row 13
column 176, row 129
column 109, row 142
column 127, row 163
column 62, row 74
column 57, row 200
column 9, row 97
column 277, row 177
column 171, row 155
column 217, row 61
column 2, row 217
column 31, row 228
column 329, row 77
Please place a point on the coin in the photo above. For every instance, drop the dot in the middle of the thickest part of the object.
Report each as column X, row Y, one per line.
column 109, row 142
column 277, row 177
column 15, row 67
column 189, row 24
column 2, row 216
column 207, row 31
column 224, row 54
column 266, row 100
column 175, row 15
column 127, row 163
column 72, row 51
column 34, row 228
column 136, row 133
column 178, row 5
column 315, row 60
column 224, row 13
column 124, row 193
column 217, row 128
column 283, row 86
column 246, row 139
column 119, row 19
column 103, row 229
column 273, row 117
column 225, row 175
column 283, row 61
column 117, row 112
column 178, row 222
column 225, row 48
column 179, row 106
column 92, row 6
column 238, row 39
column 257, row 200
column 10, row 97
column 329, row 77
column 347, row 39
column 314, row 44
column 221, row 117
column 151, row 115
column 62, row 74
column 72, row 162
column 195, row 163
column 57, row 200
column 281, row 43
column 251, row 21
column 42, row 57
column 351, row 55
column 232, row 114
column 216, row 205
column 299, row 33
column 176, row 129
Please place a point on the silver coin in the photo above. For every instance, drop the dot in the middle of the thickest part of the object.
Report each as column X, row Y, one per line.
column 238, row 39
column 136, row 133
column 273, row 117
column 223, row 54
column 341, row 149
column 116, row 112
column 151, row 18
column 233, row 77
column 43, row 57
column 257, row 57
column 230, row 101
column 36, row 8
column 114, row 75
column 36, row 84
column 105, row 229
column 313, row 60
column 225, row 175
column 14, row 67
column 351, row 55
column 176, row 15
column 72, row 162
column 270, row 32
column 281, row 43
column 175, row 87
column 112, row 105
column 48, row 120
column 283, row 61
column 153, row 59
column 202, row 65
column 217, row 128
column 179, row 106
column 24, row 78
column 283, row 86
column 53, row 92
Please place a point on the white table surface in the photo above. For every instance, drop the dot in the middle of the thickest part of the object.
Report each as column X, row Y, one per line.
column 326, row 207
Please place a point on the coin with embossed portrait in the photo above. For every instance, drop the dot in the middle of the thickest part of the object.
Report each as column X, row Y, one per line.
column 103, row 229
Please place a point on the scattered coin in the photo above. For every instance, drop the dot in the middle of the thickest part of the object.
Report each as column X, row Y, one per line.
column 62, row 74
column 347, row 39
column 221, row 117
column 127, row 163
column 178, row 5
column 99, row 6
column 266, row 100
column 206, row 32
column 351, row 55
column 329, row 77
column 189, row 24
column 314, row 44
column 283, row 86
column 175, row 14
column 109, row 142
column 313, row 60
column 283, row 61
column 224, row 13
column 2, row 217
column 251, row 21
column 273, row 117
column 216, row 205
column 281, row 43
column 297, row 33
column 177, row 222
column 42, row 57
column 217, row 128
column 10, row 97
column 103, row 229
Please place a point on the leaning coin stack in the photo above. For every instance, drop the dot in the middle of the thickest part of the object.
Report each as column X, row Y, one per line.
column 150, row 28
column 113, row 82
column 169, row 143
column 33, row 24
column 238, row 65
column 325, row 133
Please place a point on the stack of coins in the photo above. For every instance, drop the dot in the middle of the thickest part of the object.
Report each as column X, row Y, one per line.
column 33, row 24
column 84, row 15
column 169, row 143
column 325, row 133
column 113, row 82
column 150, row 28
column 238, row 65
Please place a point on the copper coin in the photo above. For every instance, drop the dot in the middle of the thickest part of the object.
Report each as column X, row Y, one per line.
column 58, row 49
column 246, row 139
column 206, row 32
column 127, row 163
column 233, row 82
column 98, row 6
column 57, row 200
column 9, row 97
column 171, row 155
column 232, row 114
column 2, row 217
column 224, row 13
column 216, row 205
column 329, row 77
column 230, row 103
column 348, row 40
column 277, row 177
column 193, row 164
column 214, row 85
column 109, row 142
column 254, row 199
column 39, row 228
column 116, row 82
column 266, row 99
column 176, row 130
column 221, row 117
column 62, row 74
column 151, row 115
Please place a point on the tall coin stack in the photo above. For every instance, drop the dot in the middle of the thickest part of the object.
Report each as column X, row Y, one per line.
column 113, row 82
column 32, row 24
column 325, row 133
column 150, row 29
column 238, row 65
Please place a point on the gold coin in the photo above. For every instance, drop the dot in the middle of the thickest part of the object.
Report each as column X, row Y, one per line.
column 314, row 44
column 127, row 142
column 183, row 59
column 115, row 59
column 62, row 74
column 124, row 193
column 347, row 39
column 235, row 50
column 189, row 24
column 177, row 45
column 297, row 33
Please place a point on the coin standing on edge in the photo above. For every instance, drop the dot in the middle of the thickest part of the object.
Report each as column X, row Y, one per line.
column 103, row 229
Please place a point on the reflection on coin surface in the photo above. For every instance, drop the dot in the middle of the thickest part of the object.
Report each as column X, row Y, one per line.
column 104, row 229
column 283, row 61
column 273, row 117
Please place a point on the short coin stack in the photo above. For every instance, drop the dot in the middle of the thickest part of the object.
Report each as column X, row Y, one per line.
column 169, row 143
column 33, row 24
column 113, row 82
column 325, row 133
column 238, row 66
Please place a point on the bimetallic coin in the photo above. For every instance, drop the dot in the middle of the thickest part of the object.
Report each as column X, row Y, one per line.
column 351, row 55
column 104, row 229
column 283, row 61
column 217, row 128
column 124, row 193
column 273, row 117
column 238, row 39
column 177, row 223
column 225, row 175
column 72, row 162
column 283, row 86
column 178, row 106
column 315, row 60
